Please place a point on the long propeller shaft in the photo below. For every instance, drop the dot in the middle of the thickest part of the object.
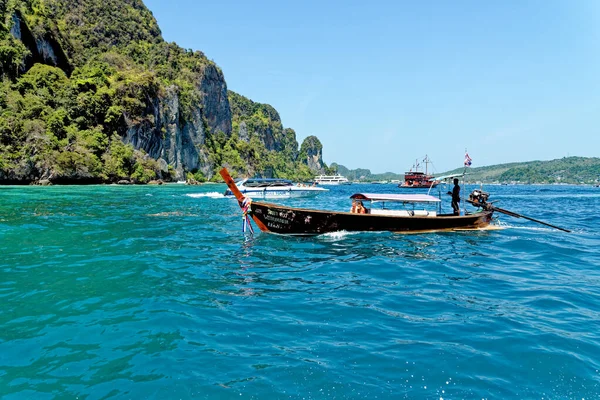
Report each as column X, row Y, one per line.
column 514, row 214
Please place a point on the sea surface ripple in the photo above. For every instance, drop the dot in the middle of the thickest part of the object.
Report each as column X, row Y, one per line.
column 154, row 292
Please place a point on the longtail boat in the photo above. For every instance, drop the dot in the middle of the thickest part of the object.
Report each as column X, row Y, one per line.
column 406, row 218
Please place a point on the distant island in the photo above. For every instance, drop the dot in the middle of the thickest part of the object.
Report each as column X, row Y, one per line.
column 568, row 170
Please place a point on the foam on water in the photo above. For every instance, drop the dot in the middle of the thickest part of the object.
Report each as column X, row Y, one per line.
column 212, row 195
column 336, row 235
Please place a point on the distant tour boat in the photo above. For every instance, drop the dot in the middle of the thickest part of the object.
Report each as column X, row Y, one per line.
column 331, row 180
column 274, row 188
column 418, row 179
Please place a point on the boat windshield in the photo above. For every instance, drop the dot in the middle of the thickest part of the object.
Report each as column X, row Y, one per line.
column 265, row 182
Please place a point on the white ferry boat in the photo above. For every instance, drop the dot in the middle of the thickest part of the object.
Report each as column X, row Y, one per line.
column 274, row 188
column 331, row 180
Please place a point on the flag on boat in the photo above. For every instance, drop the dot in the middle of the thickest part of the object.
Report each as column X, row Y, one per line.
column 467, row 160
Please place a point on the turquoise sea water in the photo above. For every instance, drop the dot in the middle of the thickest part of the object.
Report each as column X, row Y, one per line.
column 154, row 292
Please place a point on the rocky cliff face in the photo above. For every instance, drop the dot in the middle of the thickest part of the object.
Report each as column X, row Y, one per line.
column 180, row 122
column 172, row 133
column 163, row 131
column 262, row 121
column 43, row 49
column 311, row 153
column 166, row 134
column 215, row 104
column 257, row 120
column 289, row 144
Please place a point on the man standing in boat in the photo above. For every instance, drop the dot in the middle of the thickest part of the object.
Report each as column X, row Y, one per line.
column 455, row 193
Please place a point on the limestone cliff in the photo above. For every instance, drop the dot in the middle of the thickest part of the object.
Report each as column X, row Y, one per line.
column 176, row 135
column 120, row 79
column 215, row 103
column 43, row 48
column 311, row 153
column 262, row 122
column 258, row 120
column 161, row 126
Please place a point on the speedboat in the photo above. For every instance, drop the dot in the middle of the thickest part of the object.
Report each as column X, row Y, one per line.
column 274, row 188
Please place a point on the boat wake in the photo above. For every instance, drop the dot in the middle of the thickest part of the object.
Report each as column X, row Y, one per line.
column 212, row 195
column 503, row 225
column 333, row 236
column 490, row 227
column 339, row 235
column 525, row 228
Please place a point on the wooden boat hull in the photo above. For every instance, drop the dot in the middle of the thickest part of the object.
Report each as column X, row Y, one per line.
column 284, row 220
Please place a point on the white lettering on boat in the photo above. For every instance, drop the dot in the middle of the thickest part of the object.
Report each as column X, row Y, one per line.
column 276, row 219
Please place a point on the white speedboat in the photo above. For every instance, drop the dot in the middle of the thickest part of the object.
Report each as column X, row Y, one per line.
column 331, row 180
column 274, row 188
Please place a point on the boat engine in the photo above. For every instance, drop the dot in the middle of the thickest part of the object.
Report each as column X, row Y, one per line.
column 479, row 198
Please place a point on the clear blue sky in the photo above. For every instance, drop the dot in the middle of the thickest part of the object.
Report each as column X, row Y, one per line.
column 382, row 83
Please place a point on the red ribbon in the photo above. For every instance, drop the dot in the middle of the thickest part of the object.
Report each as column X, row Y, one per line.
column 245, row 206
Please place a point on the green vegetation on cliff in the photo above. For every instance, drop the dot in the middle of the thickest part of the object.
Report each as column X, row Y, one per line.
column 62, row 128
column 259, row 145
column 64, row 122
column 90, row 92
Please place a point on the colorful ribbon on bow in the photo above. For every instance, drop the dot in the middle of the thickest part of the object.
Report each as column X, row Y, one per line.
column 245, row 206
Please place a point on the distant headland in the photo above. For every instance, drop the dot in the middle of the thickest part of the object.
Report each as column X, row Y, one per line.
column 568, row 170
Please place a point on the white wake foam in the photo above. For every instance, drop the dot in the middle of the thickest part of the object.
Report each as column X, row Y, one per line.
column 212, row 195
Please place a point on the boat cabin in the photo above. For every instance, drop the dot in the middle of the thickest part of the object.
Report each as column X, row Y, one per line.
column 405, row 205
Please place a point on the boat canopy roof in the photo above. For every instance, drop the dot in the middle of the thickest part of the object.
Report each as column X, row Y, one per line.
column 400, row 198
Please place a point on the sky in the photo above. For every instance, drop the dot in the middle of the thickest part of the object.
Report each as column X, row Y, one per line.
column 383, row 83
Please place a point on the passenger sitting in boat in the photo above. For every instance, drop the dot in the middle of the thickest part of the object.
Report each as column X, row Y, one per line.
column 361, row 208
column 358, row 208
